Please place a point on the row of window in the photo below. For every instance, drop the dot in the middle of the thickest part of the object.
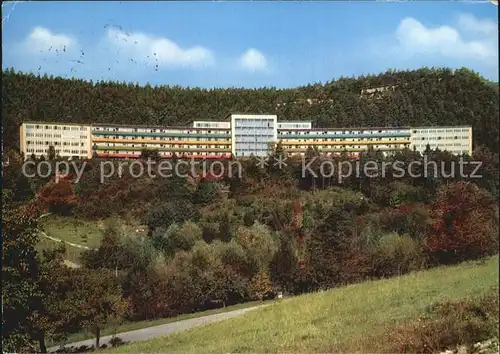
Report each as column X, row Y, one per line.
column 446, row 138
column 450, row 130
column 254, row 125
column 57, row 151
column 210, row 125
column 256, row 136
column 173, row 146
column 132, row 138
column 340, row 132
column 259, row 144
column 440, row 145
column 294, row 125
column 138, row 153
column 137, row 130
column 55, row 127
column 347, row 140
column 396, row 146
column 240, row 150
column 42, row 135
column 48, row 143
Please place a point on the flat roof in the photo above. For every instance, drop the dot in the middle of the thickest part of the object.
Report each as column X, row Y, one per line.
column 443, row 127
column 350, row 128
column 54, row 123
column 152, row 126
column 301, row 129
column 295, row 121
column 228, row 116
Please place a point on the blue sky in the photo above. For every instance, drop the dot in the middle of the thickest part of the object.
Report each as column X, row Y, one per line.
column 246, row 44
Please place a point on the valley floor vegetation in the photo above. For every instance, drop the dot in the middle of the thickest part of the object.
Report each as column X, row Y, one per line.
column 424, row 312
column 213, row 242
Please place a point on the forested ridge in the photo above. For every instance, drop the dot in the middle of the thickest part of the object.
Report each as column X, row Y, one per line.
column 420, row 97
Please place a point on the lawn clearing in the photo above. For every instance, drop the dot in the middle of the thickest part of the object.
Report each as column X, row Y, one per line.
column 78, row 232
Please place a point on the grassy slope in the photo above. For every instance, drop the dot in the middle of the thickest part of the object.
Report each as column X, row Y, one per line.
column 80, row 232
column 72, row 230
column 349, row 319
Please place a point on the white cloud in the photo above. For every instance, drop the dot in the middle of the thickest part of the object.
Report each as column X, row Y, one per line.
column 471, row 24
column 253, row 60
column 42, row 40
column 414, row 38
column 157, row 50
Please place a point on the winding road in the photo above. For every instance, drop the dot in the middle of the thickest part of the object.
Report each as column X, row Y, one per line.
column 164, row 329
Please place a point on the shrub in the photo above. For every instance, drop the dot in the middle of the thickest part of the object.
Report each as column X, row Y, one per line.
column 178, row 237
column 411, row 219
column 116, row 341
column 395, row 254
column 402, row 193
column 448, row 325
column 206, row 192
column 259, row 244
column 232, row 255
column 164, row 215
column 118, row 251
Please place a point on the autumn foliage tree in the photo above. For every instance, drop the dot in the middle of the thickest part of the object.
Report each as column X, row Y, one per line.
column 465, row 226
column 99, row 297
column 21, row 293
column 260, row 285
column 58, row 197
column 58, row 315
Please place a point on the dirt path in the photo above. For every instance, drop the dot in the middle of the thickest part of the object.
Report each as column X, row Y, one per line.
column 162, row 330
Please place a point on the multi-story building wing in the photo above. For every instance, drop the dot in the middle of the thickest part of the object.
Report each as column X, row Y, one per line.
column 126, row 141
column 350, row 140
column 457, row 140
column 253, row 134
column 68, row 140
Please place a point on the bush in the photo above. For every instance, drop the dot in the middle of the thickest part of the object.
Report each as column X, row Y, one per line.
column 448, row 325
column 411, row 219
column 395, row 255
column 206, row 192
column 259, row 244
column 116, row 341
column 402, row 193
column 232, row 255
column 166, row 214
column 178, row 237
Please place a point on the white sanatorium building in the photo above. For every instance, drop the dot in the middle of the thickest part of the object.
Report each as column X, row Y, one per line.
column 239, row 135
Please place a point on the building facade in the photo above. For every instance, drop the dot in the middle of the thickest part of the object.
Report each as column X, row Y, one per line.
column 253, row 134
column 124, row 141
column 68, row 140
column 239, row 135
column 350, row 140
column 457, row 140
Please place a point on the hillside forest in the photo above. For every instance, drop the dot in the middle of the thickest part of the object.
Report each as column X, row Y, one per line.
column 216, row 241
